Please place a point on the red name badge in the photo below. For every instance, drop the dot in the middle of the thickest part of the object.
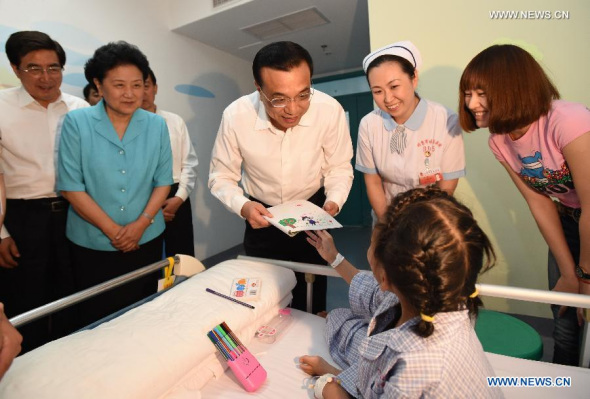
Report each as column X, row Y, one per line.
column 430, row 176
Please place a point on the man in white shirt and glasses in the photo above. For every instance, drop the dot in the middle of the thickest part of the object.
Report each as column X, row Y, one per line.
column 285, row 141
column 34, row 255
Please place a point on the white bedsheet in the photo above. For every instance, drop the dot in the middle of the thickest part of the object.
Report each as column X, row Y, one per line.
column 306, row 336
column 154, row 351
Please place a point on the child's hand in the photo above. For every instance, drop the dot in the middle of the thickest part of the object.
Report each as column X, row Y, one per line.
column 316, row 365
column 323, row 243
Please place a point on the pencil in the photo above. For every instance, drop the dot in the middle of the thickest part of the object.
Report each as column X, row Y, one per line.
column 230, row 298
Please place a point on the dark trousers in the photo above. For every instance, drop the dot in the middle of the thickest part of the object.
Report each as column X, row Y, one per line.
column 179, row 236
column 92, row 267
column 44, row 271
column 271, row 242
column 566, row 331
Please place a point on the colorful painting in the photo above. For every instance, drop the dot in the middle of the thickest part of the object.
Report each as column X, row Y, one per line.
column 296, row 216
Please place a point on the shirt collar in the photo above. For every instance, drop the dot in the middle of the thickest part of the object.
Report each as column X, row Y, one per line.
column 311, row 114
column 413, row 123
column 25, row 99
column 262, row 121
column 99, row 111
column 399, row 339
column 105, row 128
column 403, row 339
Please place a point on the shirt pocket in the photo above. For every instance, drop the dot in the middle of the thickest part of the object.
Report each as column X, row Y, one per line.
column 374, row 365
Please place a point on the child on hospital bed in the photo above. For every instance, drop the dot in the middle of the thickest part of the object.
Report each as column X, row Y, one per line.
column 409, row 332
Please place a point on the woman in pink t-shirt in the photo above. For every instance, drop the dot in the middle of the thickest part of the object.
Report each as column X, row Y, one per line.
column 543, row 143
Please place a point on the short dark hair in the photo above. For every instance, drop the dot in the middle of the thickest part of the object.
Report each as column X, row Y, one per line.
column 87, row 88
column 518, row 90
column 112, row 55
column 432, row 250
column 152, row 76
column 406, row 65
column 283, row 56
column 22, row 43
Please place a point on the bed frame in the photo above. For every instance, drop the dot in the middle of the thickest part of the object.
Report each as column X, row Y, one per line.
column 306, row 336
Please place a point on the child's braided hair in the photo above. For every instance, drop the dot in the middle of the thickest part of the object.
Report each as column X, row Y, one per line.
column 432, row 251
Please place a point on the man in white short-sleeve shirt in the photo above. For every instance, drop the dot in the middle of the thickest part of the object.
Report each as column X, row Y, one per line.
column 283, row 142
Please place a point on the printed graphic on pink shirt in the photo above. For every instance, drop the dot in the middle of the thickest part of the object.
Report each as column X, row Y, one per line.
column 545, row 180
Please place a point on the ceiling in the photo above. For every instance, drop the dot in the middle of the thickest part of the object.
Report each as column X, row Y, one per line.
column 338, row 43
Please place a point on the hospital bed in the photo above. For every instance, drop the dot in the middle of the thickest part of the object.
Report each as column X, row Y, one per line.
column 160, row 349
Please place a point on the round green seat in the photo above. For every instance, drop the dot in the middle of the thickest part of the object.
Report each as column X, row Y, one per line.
column 506, row 335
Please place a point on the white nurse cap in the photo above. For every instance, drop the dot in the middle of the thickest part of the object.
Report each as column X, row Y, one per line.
column 404, row 49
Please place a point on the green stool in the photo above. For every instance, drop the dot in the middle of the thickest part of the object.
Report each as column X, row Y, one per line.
column 506, row 335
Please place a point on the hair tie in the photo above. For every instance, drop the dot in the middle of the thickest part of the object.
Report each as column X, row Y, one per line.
column 426, row 318
column 475, row 293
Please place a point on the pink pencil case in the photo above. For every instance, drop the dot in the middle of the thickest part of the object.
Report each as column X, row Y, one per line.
column 248, row 371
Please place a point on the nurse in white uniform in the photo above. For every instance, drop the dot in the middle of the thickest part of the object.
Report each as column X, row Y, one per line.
column 409, row 141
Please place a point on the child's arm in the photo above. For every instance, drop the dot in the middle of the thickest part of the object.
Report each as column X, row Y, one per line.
column 324, row 244
column 317, row 365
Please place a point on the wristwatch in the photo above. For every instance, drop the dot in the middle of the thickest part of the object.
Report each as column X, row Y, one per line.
column 151, row 219
column 581, row 274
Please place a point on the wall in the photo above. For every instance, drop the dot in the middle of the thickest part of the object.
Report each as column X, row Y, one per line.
column 343, row 87
column 213, row 79
column 449, row 34
column 187, row 11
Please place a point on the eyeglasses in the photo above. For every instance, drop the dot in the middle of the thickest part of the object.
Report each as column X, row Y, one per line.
column 281, row 102
column 36, row 70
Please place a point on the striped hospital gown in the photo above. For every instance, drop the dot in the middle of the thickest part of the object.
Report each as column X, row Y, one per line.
column 397, row 363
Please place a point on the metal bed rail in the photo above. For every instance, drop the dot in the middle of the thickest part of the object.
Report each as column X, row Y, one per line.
column 67, row 301
column 498, row 291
